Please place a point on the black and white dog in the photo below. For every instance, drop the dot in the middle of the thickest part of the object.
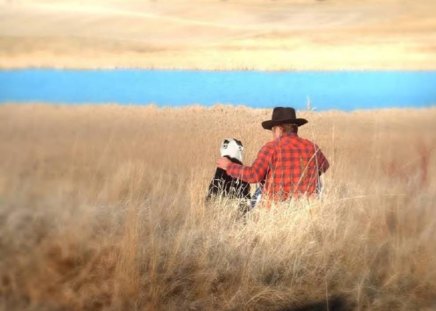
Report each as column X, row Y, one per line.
column 223, row 184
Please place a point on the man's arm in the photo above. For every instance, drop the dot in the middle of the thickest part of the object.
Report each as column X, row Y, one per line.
column 321, row 160
column 254, row 173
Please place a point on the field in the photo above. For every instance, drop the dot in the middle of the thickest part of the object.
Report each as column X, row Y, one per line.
column 209, row 34
column 102, row 208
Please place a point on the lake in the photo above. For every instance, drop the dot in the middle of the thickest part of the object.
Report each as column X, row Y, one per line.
column 343, row 90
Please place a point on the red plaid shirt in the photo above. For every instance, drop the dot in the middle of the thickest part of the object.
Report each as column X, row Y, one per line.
column 289, row 165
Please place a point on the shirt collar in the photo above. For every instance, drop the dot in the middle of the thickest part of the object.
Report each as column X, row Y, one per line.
column 290, row 135
column 286, row 135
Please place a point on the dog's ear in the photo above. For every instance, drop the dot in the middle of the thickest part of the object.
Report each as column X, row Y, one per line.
column 238, row 142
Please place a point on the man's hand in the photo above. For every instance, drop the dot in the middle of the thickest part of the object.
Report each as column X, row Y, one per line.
column 223, row 163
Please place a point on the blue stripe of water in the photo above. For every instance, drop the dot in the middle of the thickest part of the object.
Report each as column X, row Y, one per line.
column 344, row 90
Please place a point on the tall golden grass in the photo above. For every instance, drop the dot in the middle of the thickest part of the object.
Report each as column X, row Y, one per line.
column 102, row 208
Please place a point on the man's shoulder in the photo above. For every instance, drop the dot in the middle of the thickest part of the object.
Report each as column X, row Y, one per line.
column 307, row 143
column 271, row 143
column 268, row 147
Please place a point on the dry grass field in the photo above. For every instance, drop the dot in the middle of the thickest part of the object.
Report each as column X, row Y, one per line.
column 219, row 34
column 102, row 208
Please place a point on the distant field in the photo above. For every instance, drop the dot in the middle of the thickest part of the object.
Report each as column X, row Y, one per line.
column 274, row 35
column 102, row 208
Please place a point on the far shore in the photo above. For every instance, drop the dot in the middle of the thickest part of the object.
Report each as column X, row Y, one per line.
column 221, row 35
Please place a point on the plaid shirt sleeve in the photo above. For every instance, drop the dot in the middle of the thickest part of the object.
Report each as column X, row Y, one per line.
column 257, row 171
column 321, row 160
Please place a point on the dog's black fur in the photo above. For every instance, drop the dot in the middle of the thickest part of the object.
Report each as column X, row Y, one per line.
column 227, row 186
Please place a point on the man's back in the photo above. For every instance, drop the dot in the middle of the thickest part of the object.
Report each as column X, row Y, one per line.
column 296, row 164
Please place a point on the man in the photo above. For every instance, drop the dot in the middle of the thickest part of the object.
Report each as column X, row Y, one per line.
column 289, row 165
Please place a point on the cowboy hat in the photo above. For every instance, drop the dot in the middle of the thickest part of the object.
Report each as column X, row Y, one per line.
column 283, row 115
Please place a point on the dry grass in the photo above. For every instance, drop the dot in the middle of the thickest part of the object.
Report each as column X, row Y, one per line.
column 102, row 207
column 208, row 34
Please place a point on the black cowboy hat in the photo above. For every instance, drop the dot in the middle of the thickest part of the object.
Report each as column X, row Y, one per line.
column 283, row 115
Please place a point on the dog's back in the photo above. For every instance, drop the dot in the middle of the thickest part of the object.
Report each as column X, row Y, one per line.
column 227, row 186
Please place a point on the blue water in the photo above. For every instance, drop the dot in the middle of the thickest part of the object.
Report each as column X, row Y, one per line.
column 344, row 90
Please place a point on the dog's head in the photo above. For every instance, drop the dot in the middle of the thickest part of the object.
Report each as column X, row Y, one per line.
column 233, row 148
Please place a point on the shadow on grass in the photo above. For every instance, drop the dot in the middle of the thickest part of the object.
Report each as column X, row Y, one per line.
column 333, row 304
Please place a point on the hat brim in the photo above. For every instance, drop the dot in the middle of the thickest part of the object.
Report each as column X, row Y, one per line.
column 268, row 125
